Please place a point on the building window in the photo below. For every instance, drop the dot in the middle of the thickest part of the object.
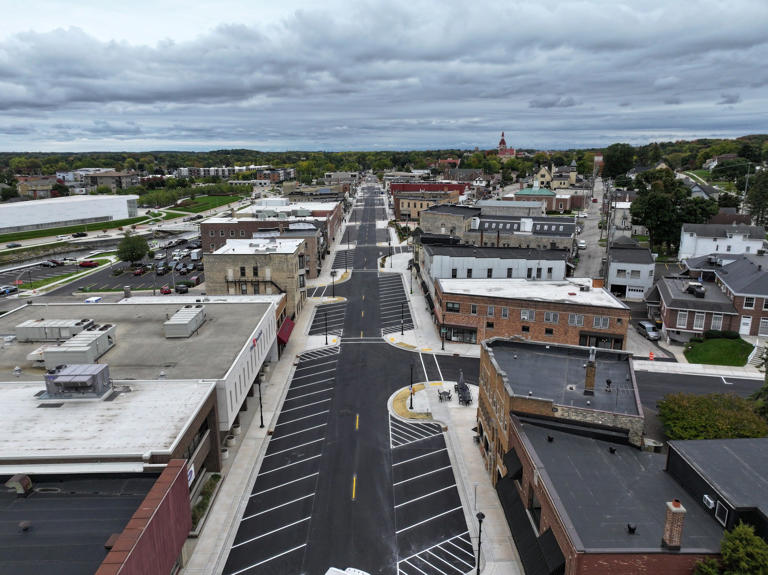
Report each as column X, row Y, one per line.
column 301, row 281
column 529, row 275
column 211, row 233
column 634, row 274
column 765, row 304
column 549, row 331
column 504, row 312
column 576, row 319
column 728, row 248
column 469, row 273
column 489, row 325
column 551, row 317
column 621, row 274
column 528, row 314
column 255, row 271
column 717, row 322
column 489, row 273
column 601, row 322
column 509, row 275
column 538, row 273
column 526, row 328
column 231, row 233
column 452, row 306
column 749, row 303
column 473, row 308
column 242, row 271
column 454, row 273
column 549, row 273
column 221, row 233
column 682, row 319
column 243, row 289
column 211, row 247
column 698, row 321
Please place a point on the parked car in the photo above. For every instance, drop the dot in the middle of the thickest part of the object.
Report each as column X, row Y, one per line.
column 93, row 299
column 184, row 253
column 47, row 264
column 79, row 234
column 648, row 330
column 594, row 200
column 6, row 290
column 88, row 264
column 182, row 270
column 63, row 237
column 190, row 267
column 160, row 256
column 13, row 245
column 165, row 290
column 161, row 270
column 181, row 288
column 139, row 271
column 582, row 244
column 199, row 266
column 195, row 280
column 57, row 262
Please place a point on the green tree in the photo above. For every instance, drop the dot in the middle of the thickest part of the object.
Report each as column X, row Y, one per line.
column 707, row 567
column 727, row 200
column 713, row 416
column 132, row 248
column 59, row 189
column 9, row 193
column 757, row 197
column 743, row 552
column 618, row 159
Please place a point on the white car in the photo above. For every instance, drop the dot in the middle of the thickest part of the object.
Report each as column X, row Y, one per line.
column 583, row 215
column 582, row 244
column 160, row 256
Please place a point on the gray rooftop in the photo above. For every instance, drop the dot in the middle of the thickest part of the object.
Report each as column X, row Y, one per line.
column 508, row 204
column 747, row 275
column 623, row 252
column 69, row 526
column 465, row 211
column 722, row 230
column 142, row 350
column 542, row 225
column 556, row 372
column 672, row 292
column 500, row 253
column 600, row 492
column 737, row 468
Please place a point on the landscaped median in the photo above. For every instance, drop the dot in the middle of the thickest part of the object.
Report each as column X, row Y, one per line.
column 56, row 281
column 718, row 348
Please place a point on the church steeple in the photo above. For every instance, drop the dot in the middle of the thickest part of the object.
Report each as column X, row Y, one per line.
column 502, row 142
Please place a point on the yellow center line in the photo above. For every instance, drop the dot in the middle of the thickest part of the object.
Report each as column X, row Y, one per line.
column 362, row 313
column 357, row 422
column 363, row 298
column 354, row 486
column 361, row 333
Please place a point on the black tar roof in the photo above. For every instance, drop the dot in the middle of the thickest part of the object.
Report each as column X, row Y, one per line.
column 556, row 372
column 736, row 468
column 599, row 492
column 68, row 528
column 501, row 253
column 672, row 292
column 465, row 211
column 747, row 274
column 541, row 225
column 630, row 253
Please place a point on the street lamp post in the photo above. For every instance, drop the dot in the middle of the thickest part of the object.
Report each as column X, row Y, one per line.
column 442, row 337
column 480, row 516
column 402, row 316
column 411, row 387
column 333, row 283
column 261, row 406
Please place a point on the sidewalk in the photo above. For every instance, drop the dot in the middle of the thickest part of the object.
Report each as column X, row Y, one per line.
column 474, row 485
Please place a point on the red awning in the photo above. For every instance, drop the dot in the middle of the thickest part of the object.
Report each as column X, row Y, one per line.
column 285, row 331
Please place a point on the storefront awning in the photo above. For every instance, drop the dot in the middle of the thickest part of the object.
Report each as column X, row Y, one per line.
column 513, row 465
column 285, row 331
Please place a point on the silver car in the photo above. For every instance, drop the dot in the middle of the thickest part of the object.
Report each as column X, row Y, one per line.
column 648, row 329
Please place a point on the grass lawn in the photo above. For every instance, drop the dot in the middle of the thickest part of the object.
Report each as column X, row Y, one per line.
column 720, row 351
column 96, row 227
column 703, row 174
column 640, row 238
column 203, row 203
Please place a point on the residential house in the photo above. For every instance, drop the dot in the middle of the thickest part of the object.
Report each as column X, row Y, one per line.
column 703, row 239
column 701, row 190
column 35, row 187
column 113, row 180
column 630, row 269
column 730, row 216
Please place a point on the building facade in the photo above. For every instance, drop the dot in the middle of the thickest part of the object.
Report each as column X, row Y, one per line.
column 630, row 269
column 702, row 239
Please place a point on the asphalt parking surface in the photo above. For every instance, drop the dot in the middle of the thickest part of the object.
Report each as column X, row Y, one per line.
column 36, row 273
column 344, row 259
column 330, row 317
column 393, row 304
column 275, row 526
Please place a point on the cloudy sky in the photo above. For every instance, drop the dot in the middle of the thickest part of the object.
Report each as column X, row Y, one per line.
column 333, row 75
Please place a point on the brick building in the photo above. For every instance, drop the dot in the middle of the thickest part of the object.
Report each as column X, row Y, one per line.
column 560, row 448
column 409, row 204
column 566, row 312
column 545, row 233
column 447, row 220
column 259, row 266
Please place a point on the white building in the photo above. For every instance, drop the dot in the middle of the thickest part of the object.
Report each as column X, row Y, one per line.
column 702, row 239
column 66, row 211
column 630, row 269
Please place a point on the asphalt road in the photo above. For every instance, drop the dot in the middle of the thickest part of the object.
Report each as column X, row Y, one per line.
column 340, row 485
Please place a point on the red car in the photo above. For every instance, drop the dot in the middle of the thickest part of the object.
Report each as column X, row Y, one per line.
column 88, row 264
column 165, row 290
column 138, row 271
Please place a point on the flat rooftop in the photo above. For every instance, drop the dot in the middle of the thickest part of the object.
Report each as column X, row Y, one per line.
column 273, row 245
column 497, row 253
column 142, row 417
column 72, row 518
column 564, row 291
column 556, row 372
column 599, row 492
column 673, row 292
column 142, row 351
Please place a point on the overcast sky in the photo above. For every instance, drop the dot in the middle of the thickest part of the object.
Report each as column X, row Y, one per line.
column 368, row 75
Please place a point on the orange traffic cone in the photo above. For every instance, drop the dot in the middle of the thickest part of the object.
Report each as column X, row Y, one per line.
column 650, row 356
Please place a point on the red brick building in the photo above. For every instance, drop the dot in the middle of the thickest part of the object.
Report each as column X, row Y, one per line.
column 567, row 312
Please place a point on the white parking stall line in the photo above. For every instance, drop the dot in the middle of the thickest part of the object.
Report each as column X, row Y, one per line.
column 294, row 447
column 427, row 520
column 452, row 567
column 301, row 418
column 423, row 475
column 399, row 440
column 279, row 437
column 420, row 456
column 308, row 404
column 317, row 364
column 461, row 548
column 430, row 494
column 436, row 545
column 434, row 568
column 426, row 377
column 284, row 484
column 313, row 374
column 419, row 430
column 410, row 431
column 310, row 385
column 308, row 394
column 444, row 550
column 412, row 565
column 290, row 464
column 268, row 560
column 251, row 540
column 278, row 506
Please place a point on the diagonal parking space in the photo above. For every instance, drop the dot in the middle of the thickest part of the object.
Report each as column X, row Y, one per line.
column 393, row 304
column 344, row 259
column 330, row 316
column 430, row 528
column 273, row 533
column 402, row 433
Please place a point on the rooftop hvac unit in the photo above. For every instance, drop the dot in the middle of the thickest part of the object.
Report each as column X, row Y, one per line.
column 709, row 503
column 185, row 321
column 584, row 288
column 51, row 330
column 77, row 381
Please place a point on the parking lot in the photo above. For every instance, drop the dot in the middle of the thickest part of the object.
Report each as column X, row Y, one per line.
column 36, row 273
column 330, row 317
column 274, row 529
column 431, row 531
column 393, row 304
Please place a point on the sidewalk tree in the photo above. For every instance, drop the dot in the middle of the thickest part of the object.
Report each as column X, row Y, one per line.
column 618, row 159
column 742, row 553
column 132, row 248
column 757, row 197
column 713, row 416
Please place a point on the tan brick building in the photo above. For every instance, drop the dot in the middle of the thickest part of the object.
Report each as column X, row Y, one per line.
column 259, row 266
column 565, row 312
column 409, row 204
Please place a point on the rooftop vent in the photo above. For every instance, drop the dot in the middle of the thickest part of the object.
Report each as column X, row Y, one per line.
column 185, row 322
column 77, row 382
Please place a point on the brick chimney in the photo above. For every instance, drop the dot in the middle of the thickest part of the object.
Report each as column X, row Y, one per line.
column 589, row 381
column 673, row 525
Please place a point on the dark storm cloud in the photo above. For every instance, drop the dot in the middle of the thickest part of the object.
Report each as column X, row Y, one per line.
column 403, row 76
